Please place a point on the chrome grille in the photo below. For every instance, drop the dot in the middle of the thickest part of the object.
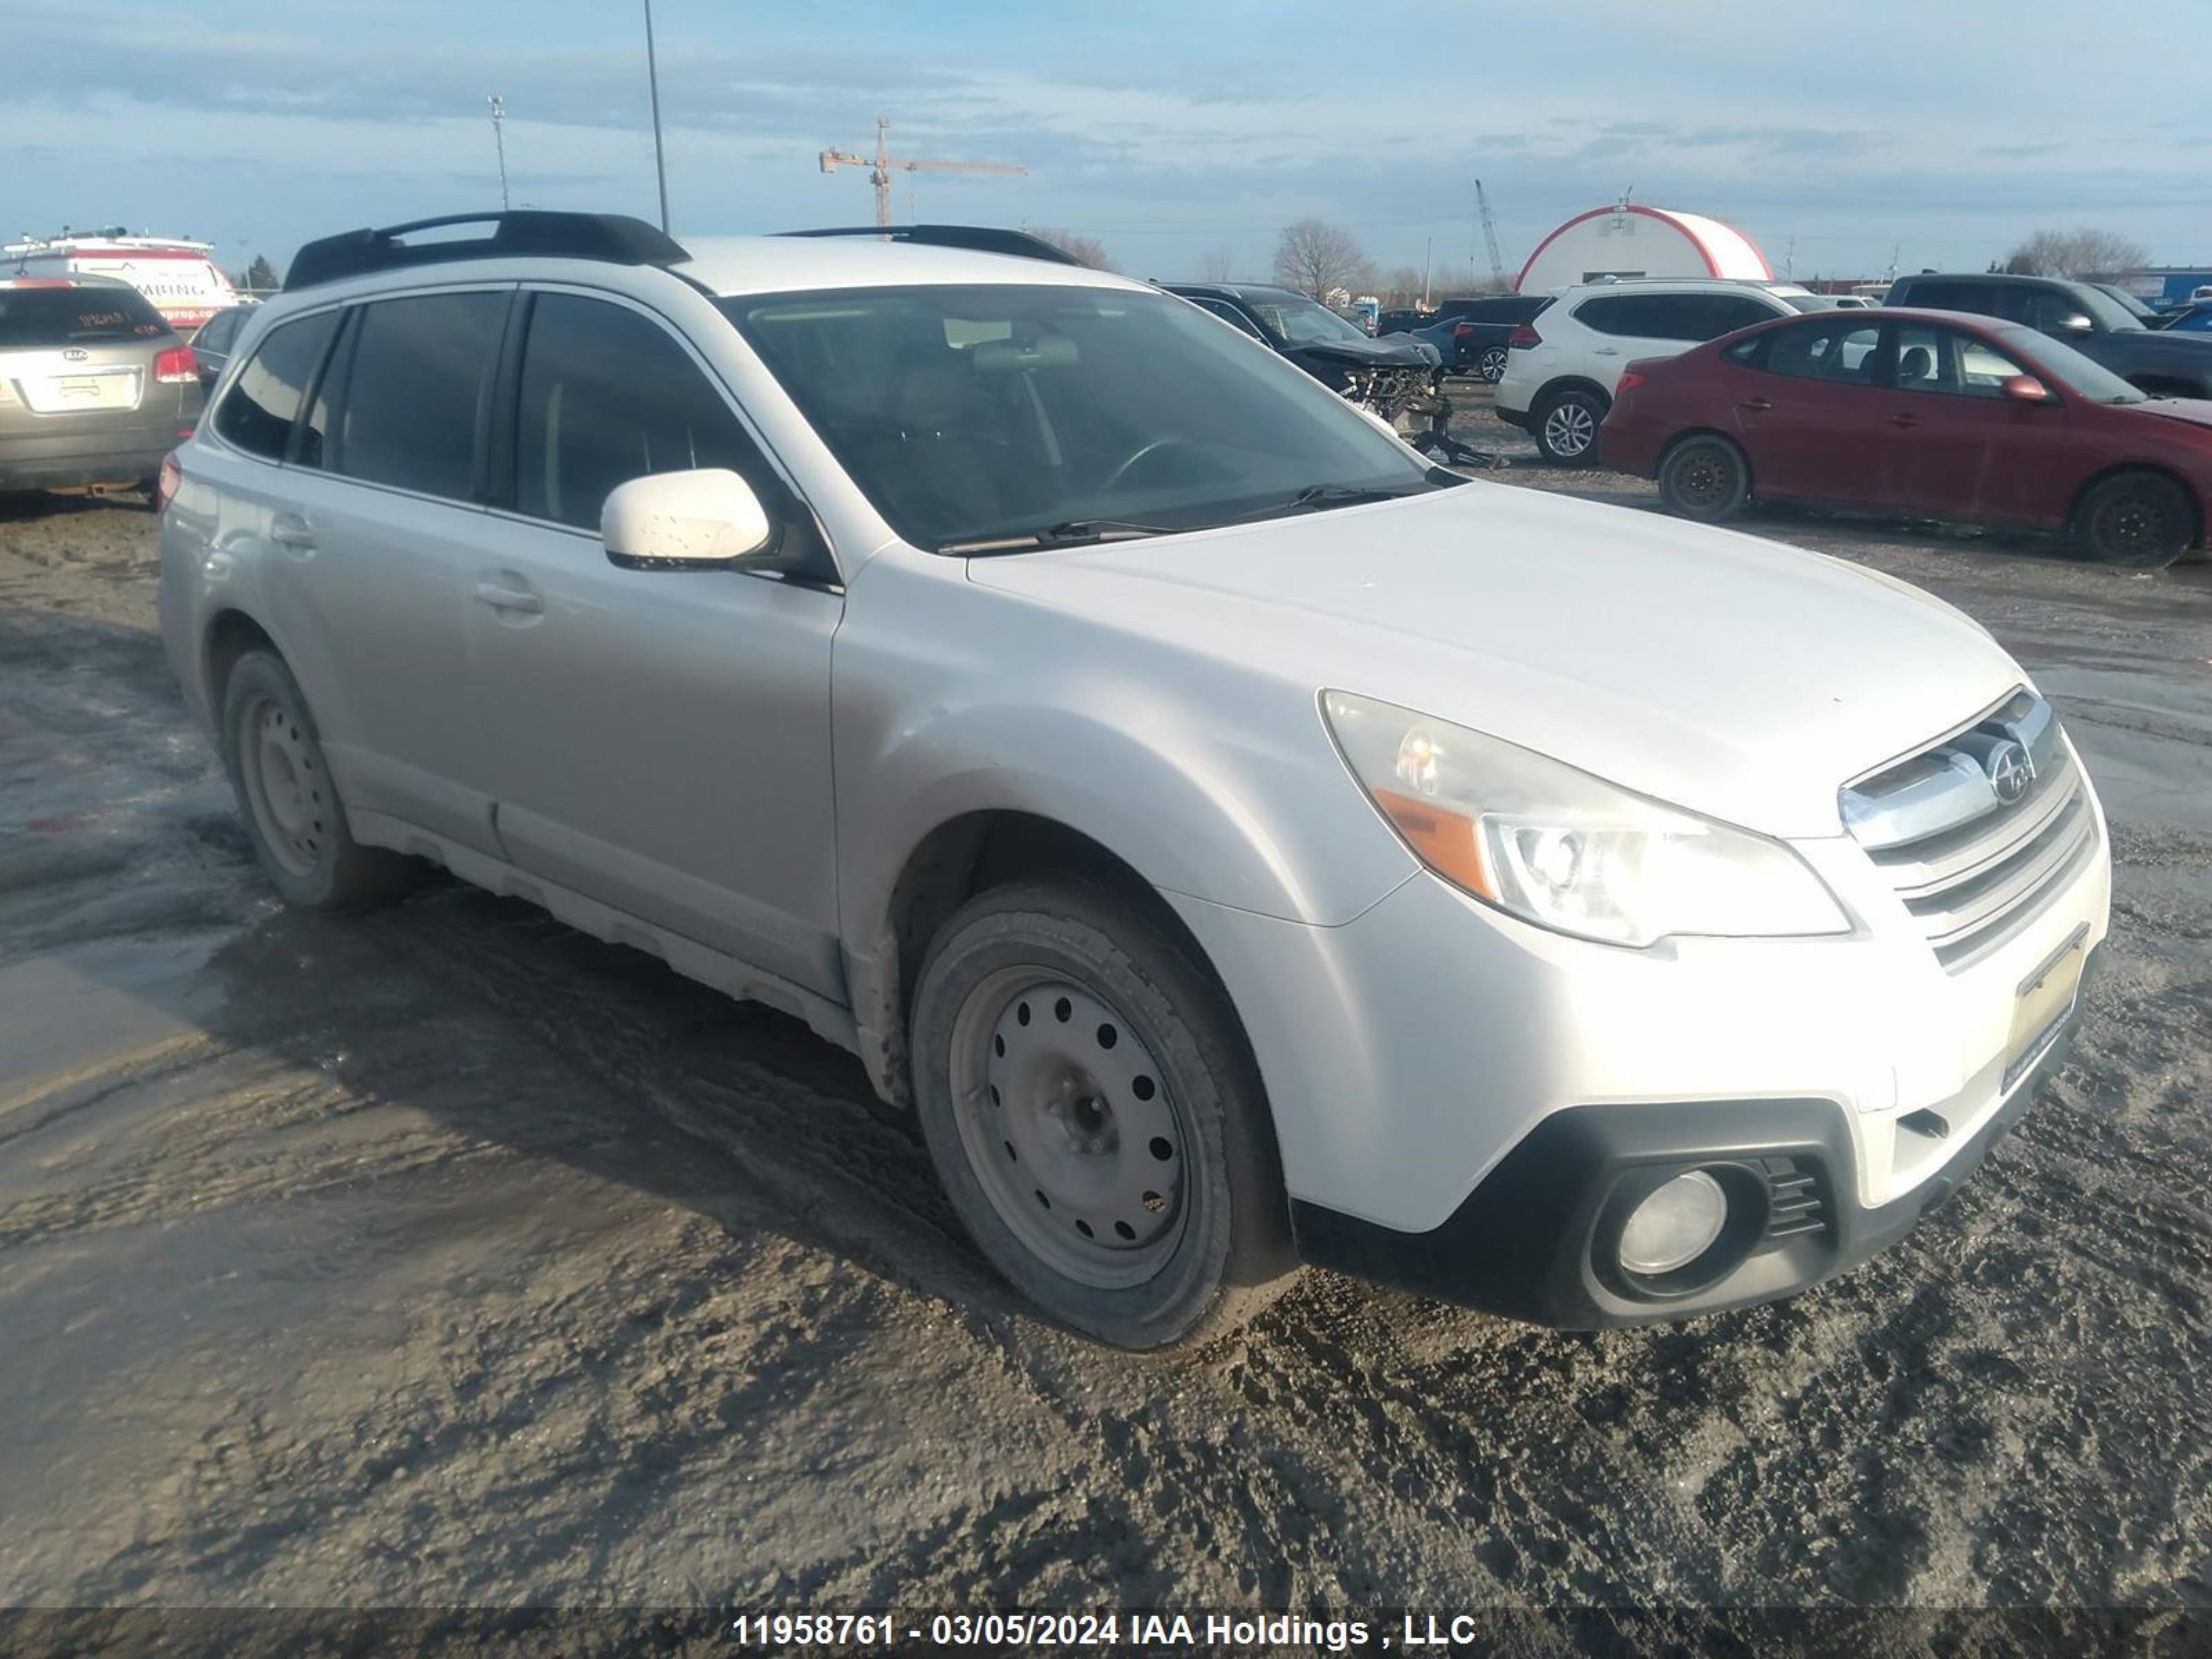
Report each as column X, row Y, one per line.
column 1974, row 868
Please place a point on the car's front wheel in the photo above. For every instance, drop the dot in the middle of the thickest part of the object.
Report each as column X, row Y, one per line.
column 1095, row 1117
column 293, row 815
column 1566, row 426
column 1705, row 478
column 2139, row 520
column 1490, row 365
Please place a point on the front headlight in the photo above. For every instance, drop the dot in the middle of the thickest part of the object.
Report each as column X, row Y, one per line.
column 1564, row 849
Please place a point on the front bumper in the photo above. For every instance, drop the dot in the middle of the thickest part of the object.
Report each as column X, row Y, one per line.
column 1534, row 1240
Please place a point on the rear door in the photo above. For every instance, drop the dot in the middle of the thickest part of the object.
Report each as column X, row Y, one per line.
column 1956, row 445
column 366, row 532
column 657, row 740
column 1808, row 408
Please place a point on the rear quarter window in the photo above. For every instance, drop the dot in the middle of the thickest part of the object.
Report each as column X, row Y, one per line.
column 34, row 317
column 257, row 414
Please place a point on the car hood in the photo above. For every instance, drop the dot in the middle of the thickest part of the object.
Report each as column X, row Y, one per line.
column 1389, row 351
column 2198, row 411
column 1733, row 676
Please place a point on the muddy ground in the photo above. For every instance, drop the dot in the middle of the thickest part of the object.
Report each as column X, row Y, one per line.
column 449, row 1257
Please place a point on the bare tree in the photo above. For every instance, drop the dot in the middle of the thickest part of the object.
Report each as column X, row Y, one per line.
column 1086, row 250
column 1400, row 286
column 1320, row 259
column 2084, row 252
column 1217, row 266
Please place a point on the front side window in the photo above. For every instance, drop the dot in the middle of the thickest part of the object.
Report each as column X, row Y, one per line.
column 1014, row 411
column 258, row 412
column 608, row 396
column 1229, row 314
column 1941, row 361
column 220, row 331
column 418, row 376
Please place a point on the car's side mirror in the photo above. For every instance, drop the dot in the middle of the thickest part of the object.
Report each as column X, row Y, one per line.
column 2026, row 389
column 2079, row 322
column 695, row 521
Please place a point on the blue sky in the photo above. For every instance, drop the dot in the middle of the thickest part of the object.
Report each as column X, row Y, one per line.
column 1945, row 129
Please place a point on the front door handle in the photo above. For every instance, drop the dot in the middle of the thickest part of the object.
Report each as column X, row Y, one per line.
column 501, row 598
column 290, row 530
column 1754, row 405
column 1905, row 420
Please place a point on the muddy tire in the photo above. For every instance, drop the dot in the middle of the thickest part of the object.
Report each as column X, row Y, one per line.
column 293, row 817
column 1566, row 426
column 2137, row 520
column 1095, row 1118
column 1705, row 478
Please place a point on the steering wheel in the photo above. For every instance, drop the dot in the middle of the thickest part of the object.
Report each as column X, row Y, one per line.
column 1129, row 462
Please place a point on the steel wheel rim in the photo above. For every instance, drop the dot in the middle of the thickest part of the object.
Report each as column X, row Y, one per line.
column 2136, row 524
column 1069, row 1128
column 285, row 784
column 1492, row 364
column 1568, row 429
column 1702, row 479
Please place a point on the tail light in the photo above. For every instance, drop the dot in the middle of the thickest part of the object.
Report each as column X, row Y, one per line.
column 1629, row 382
column 165, row 484
column 177, row 366
column 1523, row 336
column 1462, row 330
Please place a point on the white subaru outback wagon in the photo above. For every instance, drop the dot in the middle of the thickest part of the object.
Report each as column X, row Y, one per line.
column 1236, row 841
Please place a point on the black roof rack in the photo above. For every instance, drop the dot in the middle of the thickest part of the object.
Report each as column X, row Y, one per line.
column 977, row 238
column 614, row 237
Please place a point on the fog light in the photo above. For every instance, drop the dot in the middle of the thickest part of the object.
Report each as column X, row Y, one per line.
column 1674, row 1226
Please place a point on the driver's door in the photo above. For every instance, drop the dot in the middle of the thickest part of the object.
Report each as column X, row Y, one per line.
column 658, row 740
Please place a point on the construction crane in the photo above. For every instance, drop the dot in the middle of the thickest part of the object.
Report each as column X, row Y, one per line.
column 882, row 164
column 1490, row 239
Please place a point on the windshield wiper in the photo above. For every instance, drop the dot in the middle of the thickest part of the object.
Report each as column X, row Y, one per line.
column 1315, row 497
column 1073, row 532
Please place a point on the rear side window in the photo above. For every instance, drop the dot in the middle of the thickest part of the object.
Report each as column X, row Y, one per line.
column 608, row 396
column 1978, row 297
column 1841, row 352
column 94, row 314
column 418, row 377
column 1724, row 314
column 258, row 413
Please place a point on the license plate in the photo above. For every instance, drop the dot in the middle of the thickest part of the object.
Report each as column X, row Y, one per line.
column 87, row 387
column 2045, row 998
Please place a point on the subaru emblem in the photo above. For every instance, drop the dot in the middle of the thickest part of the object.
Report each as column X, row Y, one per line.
column 2010, row 769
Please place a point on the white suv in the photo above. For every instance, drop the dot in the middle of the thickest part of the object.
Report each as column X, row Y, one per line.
column 1561, row 370
column 1234, row 840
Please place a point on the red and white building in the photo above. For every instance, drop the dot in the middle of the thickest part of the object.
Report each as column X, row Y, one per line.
column 181, row 278
column 1629, row 240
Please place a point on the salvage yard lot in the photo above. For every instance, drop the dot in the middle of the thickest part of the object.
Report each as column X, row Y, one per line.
column 447, row 1256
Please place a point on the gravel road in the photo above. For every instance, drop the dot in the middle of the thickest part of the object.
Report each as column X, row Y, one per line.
column 449, row 1257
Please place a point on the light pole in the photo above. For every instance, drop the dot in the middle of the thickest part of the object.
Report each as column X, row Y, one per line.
column 499, row 137
column 652, row 80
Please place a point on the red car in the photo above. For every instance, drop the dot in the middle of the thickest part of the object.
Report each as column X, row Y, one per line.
column 1927, row 413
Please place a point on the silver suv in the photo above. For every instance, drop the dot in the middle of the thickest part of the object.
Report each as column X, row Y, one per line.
column 95, row 388
column 1236, row 840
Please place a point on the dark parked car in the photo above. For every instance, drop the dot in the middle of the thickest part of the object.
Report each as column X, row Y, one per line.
column 2084, row 316
column 1383, row 373
column 1472, row 334
column 212, row 344
column 1924, row 412
column 1400, row 321
column 95, row 388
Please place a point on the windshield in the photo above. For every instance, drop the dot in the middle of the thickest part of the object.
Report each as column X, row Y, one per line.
column 970, row 413
column 1296, row 320
column 2092, row 380
column 77, row 314
column 2110, row 313
column 2128, row 302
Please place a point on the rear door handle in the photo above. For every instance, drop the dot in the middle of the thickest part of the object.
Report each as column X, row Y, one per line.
column 1754, row 405
column 1905, row 420
column 500, row 597
column 1605, row 351
column 290, row 530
